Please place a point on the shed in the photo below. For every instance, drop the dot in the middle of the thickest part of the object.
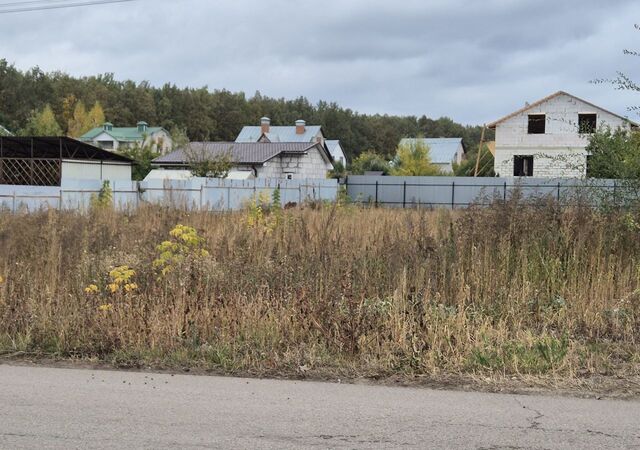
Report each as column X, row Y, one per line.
column 46, row 161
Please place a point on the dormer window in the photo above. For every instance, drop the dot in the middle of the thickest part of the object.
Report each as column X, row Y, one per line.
column 107, row 126
column 142, row 127
column 537, row 123
column 587, row 123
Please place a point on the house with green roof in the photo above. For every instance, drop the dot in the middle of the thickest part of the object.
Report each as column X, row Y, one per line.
column 113, row 138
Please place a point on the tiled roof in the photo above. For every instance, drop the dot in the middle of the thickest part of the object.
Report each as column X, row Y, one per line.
column 121, row 134
column 240, row 152
column 441, row 150
column 279, row 134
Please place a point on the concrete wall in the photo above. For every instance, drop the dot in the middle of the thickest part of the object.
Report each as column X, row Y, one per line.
column 454, row 192
column 94, row 170
column 195, row 193
column 219, row 194
column 560, row 151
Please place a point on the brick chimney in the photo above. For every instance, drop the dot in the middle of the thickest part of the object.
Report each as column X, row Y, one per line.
column 301, row 126
column 265, row 124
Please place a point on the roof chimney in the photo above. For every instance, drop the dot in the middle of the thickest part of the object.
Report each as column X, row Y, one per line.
column 142, row 126
column 300, row 126
column 265, row 124
column 107, row 126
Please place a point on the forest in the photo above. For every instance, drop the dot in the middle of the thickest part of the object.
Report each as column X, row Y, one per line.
column 202, row 113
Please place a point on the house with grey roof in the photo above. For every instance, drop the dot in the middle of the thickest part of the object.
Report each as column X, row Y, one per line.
column 336, row 151
column 113, row 138
column 300, row 132
column 444, row 152
column 275, row 160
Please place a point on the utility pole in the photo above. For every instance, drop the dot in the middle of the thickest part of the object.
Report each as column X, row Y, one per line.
column 475, row 173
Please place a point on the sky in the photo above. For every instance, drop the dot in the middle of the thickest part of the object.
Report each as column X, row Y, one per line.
column 472, row 60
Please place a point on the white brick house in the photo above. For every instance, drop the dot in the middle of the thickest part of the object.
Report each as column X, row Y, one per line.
column 277, row 160
column 548, row 138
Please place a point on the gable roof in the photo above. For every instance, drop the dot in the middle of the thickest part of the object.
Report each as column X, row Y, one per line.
column 279, row 134
column 550, row 97
column 121, row 134
column 441, row 150
column 240, row 152
column 55, row 147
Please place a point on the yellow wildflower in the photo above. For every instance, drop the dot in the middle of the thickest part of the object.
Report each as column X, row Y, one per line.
column 91, row 289
column 107, row 307
column 113, row 287
column 130, row 287
column 1, row 279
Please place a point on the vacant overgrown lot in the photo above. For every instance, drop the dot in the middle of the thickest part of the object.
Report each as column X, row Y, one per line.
column 512, row 289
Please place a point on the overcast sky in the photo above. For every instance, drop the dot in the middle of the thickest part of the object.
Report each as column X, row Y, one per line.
column 471, row 60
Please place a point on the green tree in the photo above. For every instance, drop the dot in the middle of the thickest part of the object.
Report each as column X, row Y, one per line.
column 467, row 167
column 338, row 171
column 42, row 123
column 369, row 161
column 203, row 164
column 143, row 155
column 614, row 154
column 413, row 159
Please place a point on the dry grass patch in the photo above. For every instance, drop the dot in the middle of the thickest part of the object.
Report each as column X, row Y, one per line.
column 506, row 290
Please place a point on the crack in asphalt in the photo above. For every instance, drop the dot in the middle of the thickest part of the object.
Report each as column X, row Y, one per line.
column 535, row 423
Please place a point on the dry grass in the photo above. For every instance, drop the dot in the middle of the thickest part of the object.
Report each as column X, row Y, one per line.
column 509, row 289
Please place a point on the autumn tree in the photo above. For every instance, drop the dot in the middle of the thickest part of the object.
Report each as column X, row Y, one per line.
column 413, row 159
column 42, row 123
column 95, row 118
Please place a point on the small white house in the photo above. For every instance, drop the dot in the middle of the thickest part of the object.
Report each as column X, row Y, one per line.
column 548, row 138
column 444, row 152
column 113, row 138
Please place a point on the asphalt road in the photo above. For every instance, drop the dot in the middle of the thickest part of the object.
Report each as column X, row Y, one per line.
column 62, row 408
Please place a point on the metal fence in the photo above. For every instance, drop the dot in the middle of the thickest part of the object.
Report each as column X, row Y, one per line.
column 453, row 192
column 194, row 194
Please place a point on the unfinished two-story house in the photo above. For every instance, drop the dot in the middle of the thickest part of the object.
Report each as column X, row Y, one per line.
column 548, row 138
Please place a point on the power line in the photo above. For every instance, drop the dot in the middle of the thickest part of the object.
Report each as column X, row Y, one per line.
column 60, row 6
column 30, row 2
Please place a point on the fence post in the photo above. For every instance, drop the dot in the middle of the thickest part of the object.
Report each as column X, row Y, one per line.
column 453, row 195
column 404, row 194
column 60, row 201
column 615, row 185
column 558, row 192
column 201, row 194
column 15, row 206
column 504, row 195
column 376, row 192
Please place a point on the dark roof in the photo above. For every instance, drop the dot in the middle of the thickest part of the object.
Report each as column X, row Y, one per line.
column 239, row 152
column 54, row 148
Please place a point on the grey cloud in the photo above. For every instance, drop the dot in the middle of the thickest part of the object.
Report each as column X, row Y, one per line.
column 471, row 60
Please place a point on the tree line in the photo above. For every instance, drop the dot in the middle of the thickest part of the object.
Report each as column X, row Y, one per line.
column 34, row 100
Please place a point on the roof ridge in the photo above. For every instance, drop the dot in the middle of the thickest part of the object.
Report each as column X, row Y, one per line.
column 549, row 97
